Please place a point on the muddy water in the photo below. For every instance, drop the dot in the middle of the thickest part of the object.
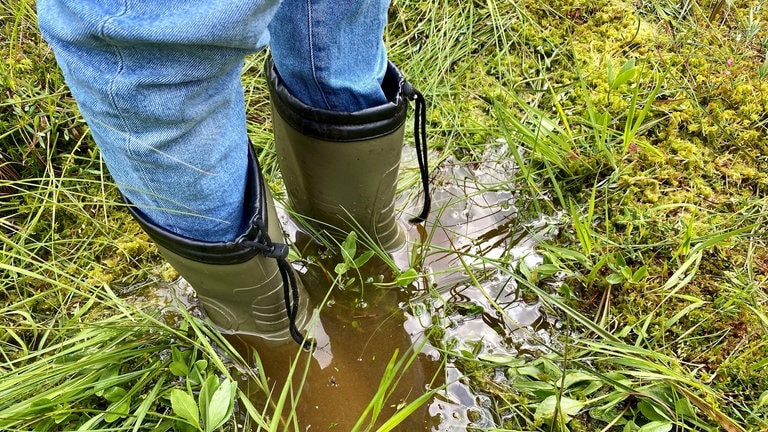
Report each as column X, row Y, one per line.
column 345, row 371
column 473, row 230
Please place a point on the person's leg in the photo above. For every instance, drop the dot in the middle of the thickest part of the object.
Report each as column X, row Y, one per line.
column 159, row 85
column 330, row 53
column 338, row 112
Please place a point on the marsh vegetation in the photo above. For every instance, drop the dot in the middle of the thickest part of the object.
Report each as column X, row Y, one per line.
column 632, row 135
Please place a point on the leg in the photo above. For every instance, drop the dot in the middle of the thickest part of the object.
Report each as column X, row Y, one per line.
column 159, row 85
column 331, row 53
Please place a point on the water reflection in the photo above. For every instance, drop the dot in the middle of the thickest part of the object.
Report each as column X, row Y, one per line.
column 474, row 230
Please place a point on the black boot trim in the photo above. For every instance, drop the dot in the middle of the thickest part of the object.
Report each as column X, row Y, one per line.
column 340, row 126
column 234, row 252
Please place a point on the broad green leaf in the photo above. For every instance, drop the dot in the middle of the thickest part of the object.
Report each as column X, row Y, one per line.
column 64, row 414
column 341, row 268
column 656, row 426
column 547, row 269
column 609, row 72
column 684, row 408
column 577, row 377
column 103, row 384
column 41, row 406
column 118, row 409
column 185, row 407
column 534, row 386
column 114, row 394
column 763, row 400
column 407, row 277
column 501, row 359
column 178, row 365
column 568, row 407
column 525, row 271
column 349, row 247
column 629, row 65
column 531, row 371
column 639, row 274
column 196, row 373
column 362, row 259
column 549, row 367
column 467, row 308
column 614, row 278
column 626, row 272
column 626, row 73
column 207, row 390
column 221, row 406
column 652, row 412
column 590, row 388
column 201, row 365
column 563, row 253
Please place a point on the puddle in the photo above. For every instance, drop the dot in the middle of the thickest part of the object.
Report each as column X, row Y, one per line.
column 362, row 342
column 474, row 229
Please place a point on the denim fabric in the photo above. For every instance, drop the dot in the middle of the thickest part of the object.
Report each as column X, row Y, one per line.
column 159, row 85
column 341, row 42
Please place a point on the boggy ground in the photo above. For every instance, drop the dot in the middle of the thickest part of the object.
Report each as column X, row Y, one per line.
column 638, row 129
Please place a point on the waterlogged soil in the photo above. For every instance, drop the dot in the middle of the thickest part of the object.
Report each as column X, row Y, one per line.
column 466, row 304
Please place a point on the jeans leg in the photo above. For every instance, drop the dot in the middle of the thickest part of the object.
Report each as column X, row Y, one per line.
column 159, row 85
column 330, row 53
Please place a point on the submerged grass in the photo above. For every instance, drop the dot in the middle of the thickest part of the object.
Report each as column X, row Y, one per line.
column 641, row 125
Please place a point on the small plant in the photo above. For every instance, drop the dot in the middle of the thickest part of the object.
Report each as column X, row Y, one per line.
column 213, row 407
column 621, row 272
column 348, row 254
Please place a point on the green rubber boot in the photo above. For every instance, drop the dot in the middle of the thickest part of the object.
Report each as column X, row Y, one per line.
column 340, row 169
column 245, row 286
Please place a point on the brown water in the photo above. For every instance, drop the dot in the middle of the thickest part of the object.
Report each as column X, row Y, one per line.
column 345, row 371
column 473, row 229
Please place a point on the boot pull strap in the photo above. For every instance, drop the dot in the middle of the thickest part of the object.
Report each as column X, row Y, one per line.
column 258, row 239
column 420, row 138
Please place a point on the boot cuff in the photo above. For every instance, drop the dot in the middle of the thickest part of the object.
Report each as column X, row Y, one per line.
column 232, row 252
column 341, row 126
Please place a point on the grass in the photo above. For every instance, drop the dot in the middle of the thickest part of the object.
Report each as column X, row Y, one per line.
column 639, row 126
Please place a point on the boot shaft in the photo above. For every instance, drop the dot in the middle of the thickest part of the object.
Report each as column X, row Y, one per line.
column 340, row 169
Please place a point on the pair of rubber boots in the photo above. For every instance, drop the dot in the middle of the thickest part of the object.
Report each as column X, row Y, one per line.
column 340, row 171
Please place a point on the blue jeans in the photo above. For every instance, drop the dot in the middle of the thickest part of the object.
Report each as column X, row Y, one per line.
column 159, row 86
